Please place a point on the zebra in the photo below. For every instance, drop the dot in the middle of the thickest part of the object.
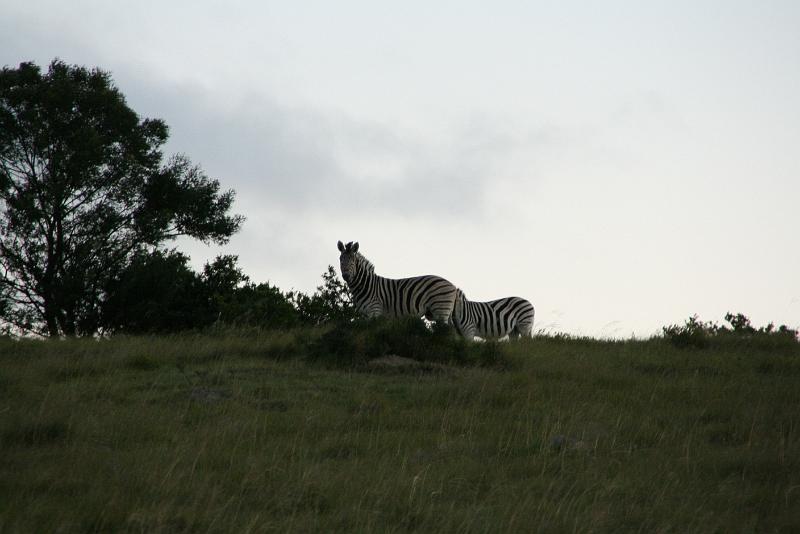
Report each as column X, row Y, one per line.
column 373, row 295
column 512, row 316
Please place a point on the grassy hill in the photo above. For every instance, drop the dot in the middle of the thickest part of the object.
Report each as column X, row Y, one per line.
column 245, row 432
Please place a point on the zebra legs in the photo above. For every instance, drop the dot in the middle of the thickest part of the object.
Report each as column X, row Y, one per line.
column 468, row 332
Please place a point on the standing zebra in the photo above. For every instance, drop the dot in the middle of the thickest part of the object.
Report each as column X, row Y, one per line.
column 512, row 316
column 373, row 295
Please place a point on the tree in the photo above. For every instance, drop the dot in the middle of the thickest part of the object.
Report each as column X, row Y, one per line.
column 331, row 301
column 5, row 306
column 159, row 293
column 221, row 279
column 258, row 305
column 156, row 292
column 83, row 191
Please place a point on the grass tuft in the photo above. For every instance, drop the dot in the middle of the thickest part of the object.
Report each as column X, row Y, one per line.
column 34, row 433
column 141, row 362
column 353, row 344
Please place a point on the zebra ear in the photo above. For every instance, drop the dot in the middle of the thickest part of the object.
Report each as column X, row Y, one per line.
column 341, row 246
column 355, row 247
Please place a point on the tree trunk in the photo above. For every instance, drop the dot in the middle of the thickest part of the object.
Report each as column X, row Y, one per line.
column 50, row 317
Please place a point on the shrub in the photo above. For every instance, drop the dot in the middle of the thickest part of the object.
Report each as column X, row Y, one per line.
column 330, row 303
column 693, row 334
column 353, row 343
column 697, row 334
column 256, row 305
column 157, row 292
column 266, row 306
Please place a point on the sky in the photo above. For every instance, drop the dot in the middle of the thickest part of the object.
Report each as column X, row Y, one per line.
column 623, row 164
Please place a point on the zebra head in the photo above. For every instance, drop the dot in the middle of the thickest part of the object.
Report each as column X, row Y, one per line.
column 349, row 260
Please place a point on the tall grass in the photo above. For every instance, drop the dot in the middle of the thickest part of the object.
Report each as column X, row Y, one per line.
column 254, row 431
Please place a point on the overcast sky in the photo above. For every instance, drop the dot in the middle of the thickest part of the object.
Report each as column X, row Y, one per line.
column 623, row 165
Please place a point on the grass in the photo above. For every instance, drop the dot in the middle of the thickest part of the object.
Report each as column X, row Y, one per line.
column 245, row 431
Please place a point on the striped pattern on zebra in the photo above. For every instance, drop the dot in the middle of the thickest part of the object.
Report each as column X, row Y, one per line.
column 512, row 316
column 373, row 295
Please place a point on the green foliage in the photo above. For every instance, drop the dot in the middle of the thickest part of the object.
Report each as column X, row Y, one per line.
column 238, row 302
column 693, row 334
column 354, row 343
column 257, row 305
column 157, row 292
column 223, row 276
column 266, row 306
column 330, row 303
column 699, row 335
column 82, row 191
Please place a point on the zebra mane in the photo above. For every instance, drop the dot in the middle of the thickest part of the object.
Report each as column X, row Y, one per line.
column 460, row 294
column 365, row 263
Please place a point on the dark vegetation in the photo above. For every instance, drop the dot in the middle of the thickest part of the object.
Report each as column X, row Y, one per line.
column 160, row 293
column 355, row 343
column 696, row 334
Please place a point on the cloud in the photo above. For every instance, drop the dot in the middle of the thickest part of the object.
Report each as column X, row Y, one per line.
column 306, row 176
column 306, row 160
column 293, row 158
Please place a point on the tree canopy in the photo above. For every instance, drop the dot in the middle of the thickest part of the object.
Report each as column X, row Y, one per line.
column 159, row 293
column 84, row 192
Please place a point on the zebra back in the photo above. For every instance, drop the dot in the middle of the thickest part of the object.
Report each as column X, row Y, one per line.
column 512, row 316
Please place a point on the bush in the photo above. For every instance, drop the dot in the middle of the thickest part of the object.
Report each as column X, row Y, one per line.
column 257, row 305
column 330, row 303
column 157, row 292
column 160, row 293
column 698, row 335
column 353, row 343
column 266, row 306
column 693, row 334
